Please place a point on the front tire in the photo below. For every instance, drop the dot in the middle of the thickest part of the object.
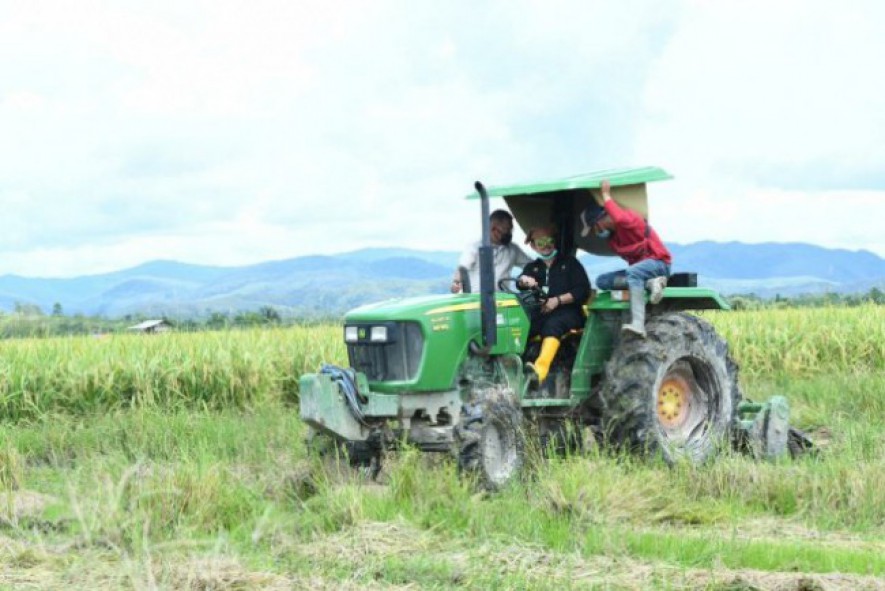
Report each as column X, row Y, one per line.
column 364, row 456
column 490, row 438
column 674, row 393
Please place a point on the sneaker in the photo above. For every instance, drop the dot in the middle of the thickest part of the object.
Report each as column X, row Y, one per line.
column 656, row 289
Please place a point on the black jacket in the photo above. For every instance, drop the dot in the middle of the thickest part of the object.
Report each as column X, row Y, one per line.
column 565, row 275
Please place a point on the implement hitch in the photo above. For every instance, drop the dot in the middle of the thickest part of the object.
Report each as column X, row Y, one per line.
column 764, row 430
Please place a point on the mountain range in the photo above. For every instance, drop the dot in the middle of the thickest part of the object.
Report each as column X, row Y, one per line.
column 323, row 285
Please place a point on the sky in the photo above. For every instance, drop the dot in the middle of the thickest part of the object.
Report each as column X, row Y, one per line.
column 231, row 132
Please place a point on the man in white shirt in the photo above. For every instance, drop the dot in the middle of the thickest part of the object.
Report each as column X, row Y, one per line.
column 506, row 254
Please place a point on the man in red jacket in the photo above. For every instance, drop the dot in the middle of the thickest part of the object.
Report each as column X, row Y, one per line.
column 630, row 237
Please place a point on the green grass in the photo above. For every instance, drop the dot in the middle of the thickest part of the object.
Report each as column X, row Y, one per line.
column 199, row 478
column 238, row 484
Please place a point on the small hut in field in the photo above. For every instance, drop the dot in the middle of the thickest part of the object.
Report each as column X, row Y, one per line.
column 151, row 327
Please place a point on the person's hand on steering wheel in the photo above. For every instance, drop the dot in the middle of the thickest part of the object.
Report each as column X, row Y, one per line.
column 526, row 282
column 529, row 294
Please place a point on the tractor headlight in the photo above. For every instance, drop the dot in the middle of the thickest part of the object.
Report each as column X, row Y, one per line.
column 378, row 334
column 351, row 334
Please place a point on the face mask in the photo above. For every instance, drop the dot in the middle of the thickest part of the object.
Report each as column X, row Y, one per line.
column 547, row 257
column 603, row 234
column 506, row 238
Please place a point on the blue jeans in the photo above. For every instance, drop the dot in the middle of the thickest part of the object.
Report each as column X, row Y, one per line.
column 636, row 275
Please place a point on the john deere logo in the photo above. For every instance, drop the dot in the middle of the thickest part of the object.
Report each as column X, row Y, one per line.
column 362, row 333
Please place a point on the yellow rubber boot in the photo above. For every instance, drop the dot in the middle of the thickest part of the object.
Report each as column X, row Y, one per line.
column 541, row 366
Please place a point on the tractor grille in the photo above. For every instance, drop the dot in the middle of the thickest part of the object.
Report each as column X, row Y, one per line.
column 395, row 360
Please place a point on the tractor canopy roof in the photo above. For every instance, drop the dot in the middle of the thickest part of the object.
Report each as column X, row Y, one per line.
column 569, row 204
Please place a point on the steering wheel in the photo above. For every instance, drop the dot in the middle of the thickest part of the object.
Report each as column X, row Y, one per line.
column 531, row 299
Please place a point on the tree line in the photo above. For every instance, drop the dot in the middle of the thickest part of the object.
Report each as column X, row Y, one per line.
column 820, row 300
column 28, row 321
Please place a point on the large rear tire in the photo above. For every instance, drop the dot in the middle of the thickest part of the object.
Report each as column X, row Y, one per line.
column 490, row 438
column 674, row 393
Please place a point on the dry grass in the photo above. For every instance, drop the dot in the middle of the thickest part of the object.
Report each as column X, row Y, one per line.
column 368, row 546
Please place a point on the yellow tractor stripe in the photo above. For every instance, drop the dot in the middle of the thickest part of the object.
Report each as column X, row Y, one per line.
column 470, row 306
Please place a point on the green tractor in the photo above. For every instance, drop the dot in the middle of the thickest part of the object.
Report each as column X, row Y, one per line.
column 446, row 373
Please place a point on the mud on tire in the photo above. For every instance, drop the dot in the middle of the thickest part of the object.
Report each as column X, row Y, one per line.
column 674, row 393
column 490, row 439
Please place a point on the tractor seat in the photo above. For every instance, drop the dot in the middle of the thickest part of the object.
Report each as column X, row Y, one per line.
column 683, row 279
column 575, row 332
column 585, row 307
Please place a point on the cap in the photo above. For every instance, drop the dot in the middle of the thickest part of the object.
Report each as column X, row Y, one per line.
column 598, row 215
column 589, row 217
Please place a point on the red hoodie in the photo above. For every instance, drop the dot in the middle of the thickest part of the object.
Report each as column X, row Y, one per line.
column 628, row 239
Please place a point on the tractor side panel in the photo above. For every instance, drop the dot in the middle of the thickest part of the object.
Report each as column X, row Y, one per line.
column 600, row 337
column 452, row 328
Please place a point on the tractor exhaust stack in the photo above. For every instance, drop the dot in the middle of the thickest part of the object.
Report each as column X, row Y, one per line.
column 486, row 276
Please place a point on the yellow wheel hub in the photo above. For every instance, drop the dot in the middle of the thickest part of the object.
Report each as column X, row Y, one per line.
column 673, row 396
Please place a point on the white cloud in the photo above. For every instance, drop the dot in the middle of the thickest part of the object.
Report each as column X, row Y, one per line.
column 228, row 132
column 766, row 114
column 746, row 88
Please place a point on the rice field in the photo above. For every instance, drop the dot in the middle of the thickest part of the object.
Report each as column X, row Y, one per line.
column 177, row 461
column 239, row 368
column 216, row 370
column 803, row 341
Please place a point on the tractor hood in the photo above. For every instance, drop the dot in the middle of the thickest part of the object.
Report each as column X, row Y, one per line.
column 433, row 334
column 398, row 308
